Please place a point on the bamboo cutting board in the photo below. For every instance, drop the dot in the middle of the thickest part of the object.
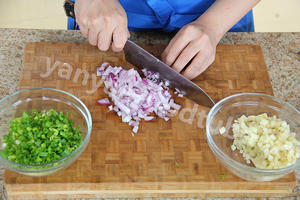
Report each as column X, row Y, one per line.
column 165, row 158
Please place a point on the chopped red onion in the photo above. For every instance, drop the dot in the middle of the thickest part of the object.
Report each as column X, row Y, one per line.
column 179, row 92
column 136, row 98
column 104, row 101
column 101, row 68
column 135, row 129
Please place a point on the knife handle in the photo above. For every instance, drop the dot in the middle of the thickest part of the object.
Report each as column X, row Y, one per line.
column 69, row 8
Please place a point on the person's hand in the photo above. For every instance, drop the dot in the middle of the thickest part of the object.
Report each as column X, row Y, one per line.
column 103, row 22
column 193, row 44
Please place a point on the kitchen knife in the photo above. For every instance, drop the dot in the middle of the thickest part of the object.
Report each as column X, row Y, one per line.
column 142, row 59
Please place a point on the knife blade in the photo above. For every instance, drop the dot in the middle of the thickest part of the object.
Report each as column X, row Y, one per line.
column 142, row 59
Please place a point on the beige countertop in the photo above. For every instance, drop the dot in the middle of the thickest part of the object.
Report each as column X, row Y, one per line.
column 280, row 52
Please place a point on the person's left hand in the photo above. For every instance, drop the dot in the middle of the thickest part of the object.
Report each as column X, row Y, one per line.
column 192, row 43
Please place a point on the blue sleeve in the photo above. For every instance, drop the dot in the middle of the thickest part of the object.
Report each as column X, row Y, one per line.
column 71, row 22
column 246, row 24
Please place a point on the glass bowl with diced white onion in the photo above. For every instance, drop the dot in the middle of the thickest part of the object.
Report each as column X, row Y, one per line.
column 255, row 136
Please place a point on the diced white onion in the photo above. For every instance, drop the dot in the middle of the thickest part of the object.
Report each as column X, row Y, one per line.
column 222, row 130
column 266, row 141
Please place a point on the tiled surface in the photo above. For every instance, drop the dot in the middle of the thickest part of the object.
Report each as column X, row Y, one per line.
column 277, row 16
column 269, row 15
column 38, row 14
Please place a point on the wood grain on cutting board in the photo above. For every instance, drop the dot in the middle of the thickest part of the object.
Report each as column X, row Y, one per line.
column 165, row 158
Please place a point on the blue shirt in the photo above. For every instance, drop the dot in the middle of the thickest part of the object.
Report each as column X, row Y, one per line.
column 170, row 15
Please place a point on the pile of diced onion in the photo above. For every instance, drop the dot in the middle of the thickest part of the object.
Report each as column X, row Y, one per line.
column 135, row 98
column 266, row 141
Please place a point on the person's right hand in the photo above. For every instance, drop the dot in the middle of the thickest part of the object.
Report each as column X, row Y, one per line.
column 103, row 22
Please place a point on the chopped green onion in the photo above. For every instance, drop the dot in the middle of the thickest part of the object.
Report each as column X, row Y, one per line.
column 40, row 137
column 223, row 176
column 178, row 165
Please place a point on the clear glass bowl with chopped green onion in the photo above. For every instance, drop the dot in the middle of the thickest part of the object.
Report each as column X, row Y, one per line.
column 42, row 130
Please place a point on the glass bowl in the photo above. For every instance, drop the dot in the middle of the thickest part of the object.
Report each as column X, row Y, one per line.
column 14, row 105
column 231, row 108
